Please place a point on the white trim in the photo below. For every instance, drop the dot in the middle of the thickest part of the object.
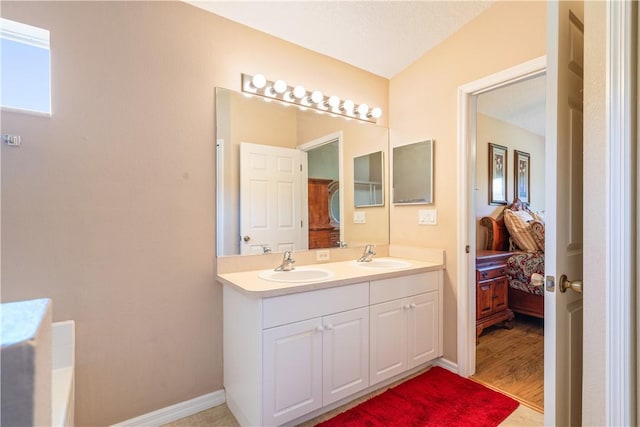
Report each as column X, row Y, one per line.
column 621, row 197
column 177, row 411
column 466, row 230
column 446, row 364
column 221, row 232
column 23, row 33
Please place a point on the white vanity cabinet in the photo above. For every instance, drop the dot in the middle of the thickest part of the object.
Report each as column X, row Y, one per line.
column 288, row 356
column 313, row 363
column 405, row 324
column 301, row 352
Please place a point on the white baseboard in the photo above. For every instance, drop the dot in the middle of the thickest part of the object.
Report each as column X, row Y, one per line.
column 446, row 364
column 177, row 411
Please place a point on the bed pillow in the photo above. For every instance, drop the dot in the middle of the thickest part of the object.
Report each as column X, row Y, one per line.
column 520, row 229
column 537, row 229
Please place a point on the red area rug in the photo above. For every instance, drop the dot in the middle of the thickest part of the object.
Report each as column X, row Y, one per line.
column 436, row 398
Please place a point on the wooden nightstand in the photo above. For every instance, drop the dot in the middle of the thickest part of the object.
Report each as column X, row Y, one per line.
column 492, row 305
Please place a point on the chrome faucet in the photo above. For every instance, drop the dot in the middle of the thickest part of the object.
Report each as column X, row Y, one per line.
column 342, row 244
column 367, row 255
column 287, row 262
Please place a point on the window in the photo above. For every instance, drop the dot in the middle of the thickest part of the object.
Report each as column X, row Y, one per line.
column 25, row 67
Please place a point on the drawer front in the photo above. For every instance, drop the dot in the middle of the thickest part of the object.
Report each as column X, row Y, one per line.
column 403, row 286
column 490, row 273
column 307, row 305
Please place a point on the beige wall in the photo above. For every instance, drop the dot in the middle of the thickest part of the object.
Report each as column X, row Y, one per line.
column 108, row 206
column 423, row 105
column 491, row 130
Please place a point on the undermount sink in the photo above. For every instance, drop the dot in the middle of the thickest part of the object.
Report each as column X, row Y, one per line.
column 298, row 275
column 383, row 263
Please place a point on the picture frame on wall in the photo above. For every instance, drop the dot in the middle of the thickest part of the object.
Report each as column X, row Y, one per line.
column 522, row 175
column 497, row 174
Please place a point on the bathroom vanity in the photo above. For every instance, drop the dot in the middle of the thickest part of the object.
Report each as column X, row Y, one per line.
column 294, row 349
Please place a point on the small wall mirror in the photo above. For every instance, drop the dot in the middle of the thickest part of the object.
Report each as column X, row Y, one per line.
column 413, row 173
column 368, row 187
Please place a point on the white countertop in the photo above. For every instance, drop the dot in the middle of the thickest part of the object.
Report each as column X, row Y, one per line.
column 344, row 273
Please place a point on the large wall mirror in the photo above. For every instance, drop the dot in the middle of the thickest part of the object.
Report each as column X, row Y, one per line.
column 285, row 178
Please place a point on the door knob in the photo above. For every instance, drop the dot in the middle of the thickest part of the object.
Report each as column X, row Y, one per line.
column 565, row 284
column 246, row 238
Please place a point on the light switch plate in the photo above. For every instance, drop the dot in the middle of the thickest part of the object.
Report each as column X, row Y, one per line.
column 427, row 217
column 359, row 217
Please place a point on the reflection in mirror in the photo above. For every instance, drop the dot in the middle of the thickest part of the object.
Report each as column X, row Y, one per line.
column 368, row 187
column 413, row 173
column 271, row 125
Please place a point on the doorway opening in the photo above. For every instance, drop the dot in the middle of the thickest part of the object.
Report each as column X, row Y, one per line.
column 321, row 191
column 478, row 121
column 509, row 184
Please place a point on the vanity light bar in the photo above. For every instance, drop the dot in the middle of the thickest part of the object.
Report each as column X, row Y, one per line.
column 298, row 95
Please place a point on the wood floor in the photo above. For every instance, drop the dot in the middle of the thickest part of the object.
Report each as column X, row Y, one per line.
column 512, row 361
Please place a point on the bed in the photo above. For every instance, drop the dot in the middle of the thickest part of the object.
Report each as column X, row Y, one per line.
column 519, row 230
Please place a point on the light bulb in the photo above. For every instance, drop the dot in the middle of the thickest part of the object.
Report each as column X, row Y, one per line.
column 334, row 102
column 317, row 97
column 376, row 112
column 259, row 81
column 363, row 109
column 348, row 106
column 280, row 86
column 299, row 91
column 270, row 92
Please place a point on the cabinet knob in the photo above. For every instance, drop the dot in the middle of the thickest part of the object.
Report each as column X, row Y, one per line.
column 484, row 274
column 502, row 271
column 406, row 307
column 329, row 327
column 319, row 329
column 412, row 305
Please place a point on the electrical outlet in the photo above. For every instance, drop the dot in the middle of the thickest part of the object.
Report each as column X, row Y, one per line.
column 359, row 217
column 323, row 255
column 427, row 217
column 11, row 140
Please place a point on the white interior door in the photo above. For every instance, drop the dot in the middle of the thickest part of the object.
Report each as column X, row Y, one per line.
column 270, row 211
column 564, row 206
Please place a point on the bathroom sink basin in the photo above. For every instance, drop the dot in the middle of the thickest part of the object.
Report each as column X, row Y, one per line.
column 298, row 275
column 384, row 263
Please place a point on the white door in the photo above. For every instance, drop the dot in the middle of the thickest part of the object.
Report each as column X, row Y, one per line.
column 345, row 354
column 563, row 204
column 423, row 328
column 388, row 340
column 270, row 181
column 292, row 367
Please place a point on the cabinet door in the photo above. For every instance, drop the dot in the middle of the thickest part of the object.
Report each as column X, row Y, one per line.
column 500, row 291
column 292, row 371
column 388, row 339
column 345, row 354
column 423, row 327
column 484, row 299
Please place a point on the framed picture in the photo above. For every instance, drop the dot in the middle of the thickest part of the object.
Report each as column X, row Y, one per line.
column 521, row 175
column 497, row 174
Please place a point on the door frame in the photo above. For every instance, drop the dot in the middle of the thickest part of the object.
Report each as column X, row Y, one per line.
column 466, row 306
column 621, row 210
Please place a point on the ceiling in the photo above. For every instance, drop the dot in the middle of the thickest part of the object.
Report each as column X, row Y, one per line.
column 521, row 104
column 383, row 37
